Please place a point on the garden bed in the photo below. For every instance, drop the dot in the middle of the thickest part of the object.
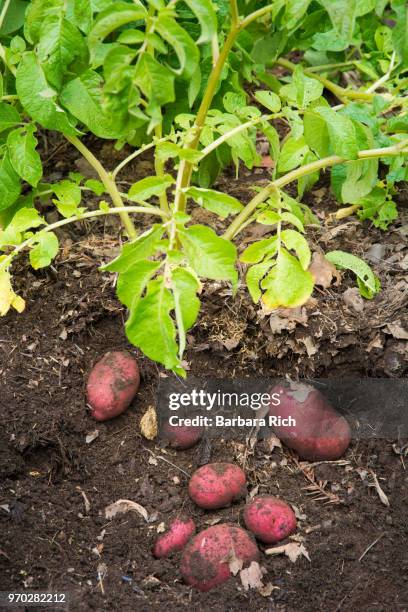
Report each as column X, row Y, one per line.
column 55, row 486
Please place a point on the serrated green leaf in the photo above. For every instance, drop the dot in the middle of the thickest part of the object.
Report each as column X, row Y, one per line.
column 10, row 186
column 347, row 261
column 208, row 254
column 269, row 100
column 44, row 251
column 219, row 203
column 287, row 285
column 149, row 187
column 151, row 328
column 38, row 98
column 132, row 283
column 9, row 116
column 294, row 241
column 23, row 154
column 259, row 250
column 207, row 17
column 144, row 246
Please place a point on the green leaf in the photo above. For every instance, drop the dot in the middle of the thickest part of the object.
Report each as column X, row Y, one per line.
column 96, row 186
column 187, row 305
column 144, row 246
column 157, row 84
column 182, row 43
column 342, row 133
column 79, row 12
column 289, row 217
column 342, row 14
column 209, row 255
column 83, row 98
column 298, row 243
column 37, row 11
column 400, row 31
column 346, row 261
column 132, row 283
column 378, row 207
column 316, row 133
column 10, row 186
column 23, row 154
column 287, row 285
column 268, row 217
column 68, row 197
column 269, row 100
column 14, row 17
column 253, row 279
column 9, row 116
column 24, row 219
column 38, row 99
column 292, row 154
column 207, row 17
column 151, row 328
column 44, row 251
column 169, row 150
column 257, row 251
column 302, row 90
column 294, row 11
column 59, row 44
column 118, row 14
column 360, row 179
column 219, row 203
column 366, row 292
column 149, row 187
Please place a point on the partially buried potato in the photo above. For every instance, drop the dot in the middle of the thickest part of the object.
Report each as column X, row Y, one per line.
column 217, row 485
column 112, row 385
column 175, row 538
column 319, row 432
column 182, row 437
column 206, row 560
column 270, row 519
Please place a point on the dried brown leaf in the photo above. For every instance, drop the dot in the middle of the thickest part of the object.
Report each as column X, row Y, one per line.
column 148, row 424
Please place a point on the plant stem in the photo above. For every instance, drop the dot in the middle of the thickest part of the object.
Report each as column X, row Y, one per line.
column 256, row 15
column 135, row 154
column 108, row 182
column 160, row 168
column 338, row 91
column 89, row 215
column 234, row 13
column 320, row 164
column 4, row 12
column 330, row 67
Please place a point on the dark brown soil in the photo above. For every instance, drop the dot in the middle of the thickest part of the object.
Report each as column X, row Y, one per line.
column 55, row 486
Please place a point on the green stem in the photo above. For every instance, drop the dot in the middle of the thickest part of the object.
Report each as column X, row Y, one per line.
column 256, row 15
column 4, row 12
column 330, row 67
column 135, row 154
column 160, row 168
column 338, row 91
column 89, row 215
column 315, row 166
column 108, row 182
column 234, row 13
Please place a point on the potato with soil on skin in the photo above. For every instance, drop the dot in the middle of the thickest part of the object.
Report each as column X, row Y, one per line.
column 205, row 561
column 270, row 519
column 320, row 433
column 182, row 437
column 112, row 385
column 217, row 485
column 180, row 530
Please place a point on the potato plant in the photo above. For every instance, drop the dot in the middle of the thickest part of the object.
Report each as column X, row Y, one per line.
column 195, row 81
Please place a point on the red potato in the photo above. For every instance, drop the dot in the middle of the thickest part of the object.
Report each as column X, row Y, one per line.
column 205, row 562
column 112, row 385
column 270, row 519
column 182, row 436
column 320, row 433
column 175, row 538
column 217, row 485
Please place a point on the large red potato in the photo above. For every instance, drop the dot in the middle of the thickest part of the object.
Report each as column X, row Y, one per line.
column 270, row 519
column 217, row 485
column 205, row 562
column 182, row 437
column 175, row 538
column 112, row 385
column 320, row 433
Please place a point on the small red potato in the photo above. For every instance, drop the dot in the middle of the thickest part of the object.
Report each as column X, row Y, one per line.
column 175, row 538
column 205, row 561
column 320, row 433
column 270, row 519
column 182, row 437
column 217, row 485
column 112, row 385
